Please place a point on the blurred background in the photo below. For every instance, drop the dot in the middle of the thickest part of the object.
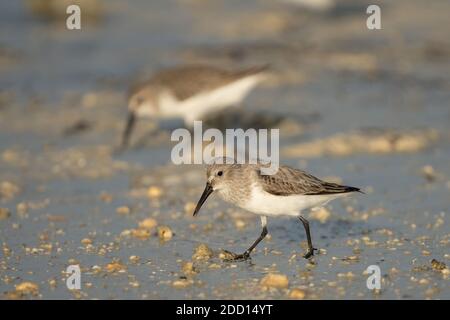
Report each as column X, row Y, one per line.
column 367, row 108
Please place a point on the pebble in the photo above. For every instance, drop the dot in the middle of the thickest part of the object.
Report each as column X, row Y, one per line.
column 272, row 280
column 322, row 215
column 297, row 294
column 148, row 223
column 115, row 266
column 348, row 275
column 189, row 208
column 106, row 197
column 86, row 241
column 27, row 288
column 52, row 283
column 188, row 268
column 123, row 211
column 202, row 252
column 426, row 253
column 224, row 255
column 8, row 190
column 182, row 283
column 429, row 173
column 22, row 209
column 141, row 234
column 134, row 259
column 154, row 192
column 96, row 269
column 4, row 213
column 165, row 233
column 240, row 224
column 437, row 265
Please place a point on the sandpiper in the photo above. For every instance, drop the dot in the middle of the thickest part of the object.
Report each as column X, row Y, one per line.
column 189, row 92
column 287, row 192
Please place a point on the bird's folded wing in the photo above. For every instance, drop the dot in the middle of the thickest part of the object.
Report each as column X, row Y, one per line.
column 288, row 181
column 186, row 82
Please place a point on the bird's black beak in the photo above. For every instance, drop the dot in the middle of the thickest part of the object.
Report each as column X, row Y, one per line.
column 208, row 190
column 131, row 120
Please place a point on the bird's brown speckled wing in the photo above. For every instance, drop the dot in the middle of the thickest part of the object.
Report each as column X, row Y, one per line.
column 290, row 181
column 187, row 81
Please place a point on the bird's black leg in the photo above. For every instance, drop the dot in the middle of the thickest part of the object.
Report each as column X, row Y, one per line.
column 308, row 237
column 246, row 254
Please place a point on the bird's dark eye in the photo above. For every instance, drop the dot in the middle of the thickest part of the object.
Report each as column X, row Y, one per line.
column 220, row 173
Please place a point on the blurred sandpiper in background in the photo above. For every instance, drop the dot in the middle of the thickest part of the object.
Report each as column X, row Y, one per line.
column 369, row 106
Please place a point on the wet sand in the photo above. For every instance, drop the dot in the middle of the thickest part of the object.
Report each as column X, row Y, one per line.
column 67, row 198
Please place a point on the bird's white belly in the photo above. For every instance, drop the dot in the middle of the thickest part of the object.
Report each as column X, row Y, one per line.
column 262, row 202
column 196, row 107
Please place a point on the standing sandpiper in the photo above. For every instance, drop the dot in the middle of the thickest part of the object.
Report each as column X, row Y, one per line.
column 189, row 92
column 287, row 192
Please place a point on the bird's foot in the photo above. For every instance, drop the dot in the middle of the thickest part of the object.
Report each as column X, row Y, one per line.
column 231, row 256
column 310, row 253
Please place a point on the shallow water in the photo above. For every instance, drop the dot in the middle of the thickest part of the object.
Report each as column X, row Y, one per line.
column 332, row 76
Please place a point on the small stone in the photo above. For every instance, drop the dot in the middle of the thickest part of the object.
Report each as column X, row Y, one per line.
column 348, row 275
column 188, row 268
column 437, row 265
column 226, row 255
column 56, row 218
column 106, row 197
column 394, row 271
column 6, row 250
column 154, row 192
column 141, row 234
column 134, row 259
column 27, row 288
column 4, row 213
column 148, row 223
column 202, row 252
column 351, row 258
column 321, row 214
column 297, row 294
column 8, row 190
column 115, row 266
column 22, row 209
column 96, row 269
column 429, row 173
column 189, row 208
column 279, row 281
column 86, row 241
column 126, row 233
column 123, row 211
column 240, row 224
column 332, row 283
column 165, row 233
column 182, row 283
column 52, row 283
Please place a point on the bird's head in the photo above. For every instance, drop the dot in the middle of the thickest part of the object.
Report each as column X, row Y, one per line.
column 218, row 179
column 141, row 103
